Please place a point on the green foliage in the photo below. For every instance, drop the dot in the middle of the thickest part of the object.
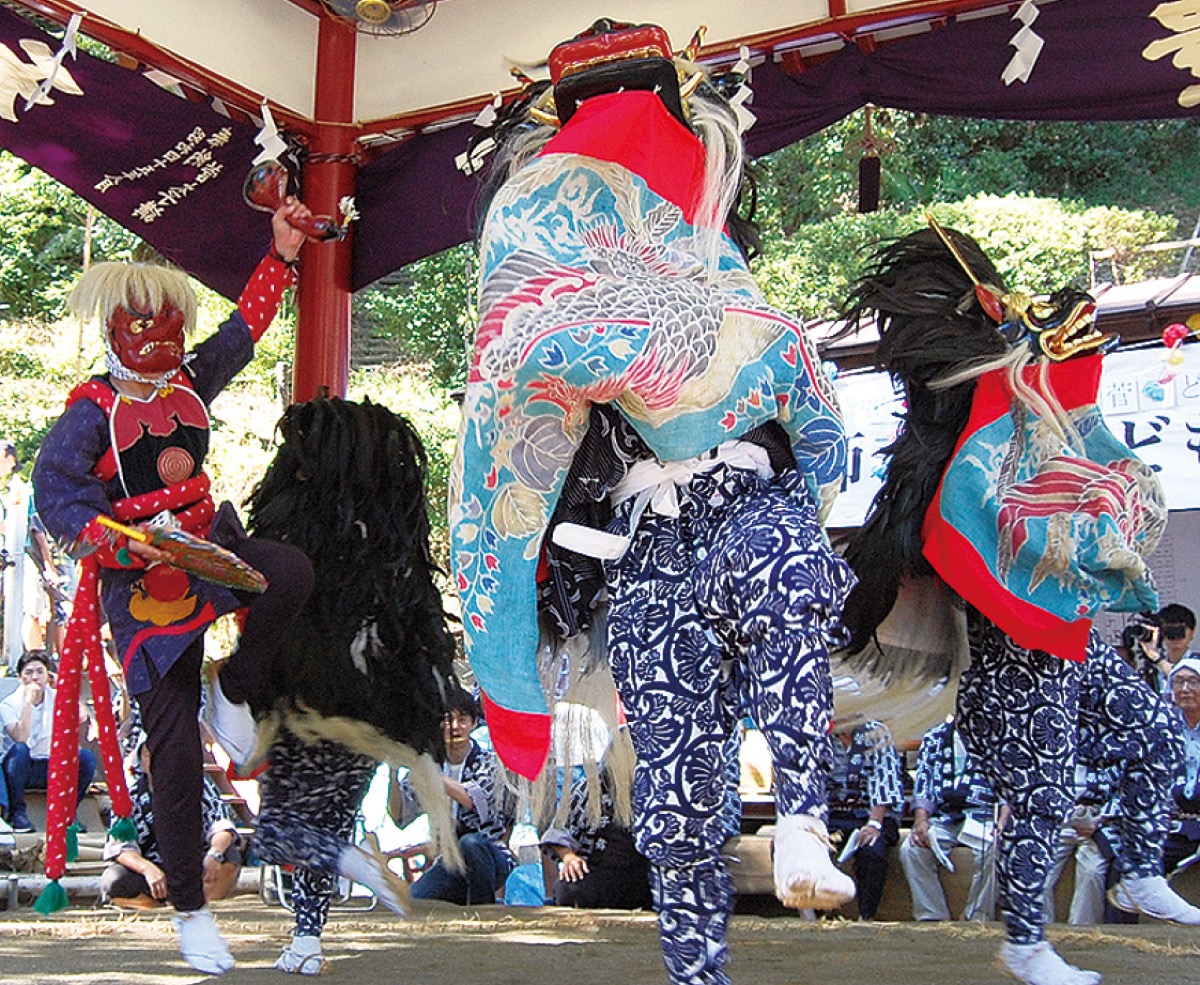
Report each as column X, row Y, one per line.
column 276, row 348
column 1120, row 232
column 36, row 371
column 1037, row 244
column 429, row 312
column 932, row 159
column 808, row 273
column 42, row 226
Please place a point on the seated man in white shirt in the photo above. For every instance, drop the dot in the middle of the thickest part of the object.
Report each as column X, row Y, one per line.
column 27, row 716
column 481, row 809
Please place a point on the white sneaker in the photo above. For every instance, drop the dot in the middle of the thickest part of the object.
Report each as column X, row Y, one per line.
column 367, row 865
column 302, row 957
column 231, row 723
column 805, row 876
column 201, row 944
column 7, row 838
column 1153, row 896
column 1040, row 964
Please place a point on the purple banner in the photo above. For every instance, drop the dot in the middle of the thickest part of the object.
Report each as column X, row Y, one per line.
column 413, row 202
column 1091, row 60
column 168, row 169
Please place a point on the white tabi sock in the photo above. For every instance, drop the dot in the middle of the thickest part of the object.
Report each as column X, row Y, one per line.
column 201, row 944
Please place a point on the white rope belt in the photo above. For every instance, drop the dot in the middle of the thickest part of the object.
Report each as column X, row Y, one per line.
column 654, row 486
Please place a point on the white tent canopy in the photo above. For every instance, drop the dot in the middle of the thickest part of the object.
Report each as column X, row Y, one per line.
column 461, row 55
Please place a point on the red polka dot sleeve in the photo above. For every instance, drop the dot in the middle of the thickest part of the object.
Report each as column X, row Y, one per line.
column 260, row 298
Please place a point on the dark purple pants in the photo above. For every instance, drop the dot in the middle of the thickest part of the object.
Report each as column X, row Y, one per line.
column 170, row 710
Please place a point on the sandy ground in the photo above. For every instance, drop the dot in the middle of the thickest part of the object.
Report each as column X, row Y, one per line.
column 445, row 945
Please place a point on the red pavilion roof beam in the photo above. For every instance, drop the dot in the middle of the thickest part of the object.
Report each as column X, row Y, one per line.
column 784, row 44
column 853, row 26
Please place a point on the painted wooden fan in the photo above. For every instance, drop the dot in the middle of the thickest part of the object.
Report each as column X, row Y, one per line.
column 197, row 556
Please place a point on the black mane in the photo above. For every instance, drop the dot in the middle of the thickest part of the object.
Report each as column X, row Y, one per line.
column 930, row 323
column 347, row 487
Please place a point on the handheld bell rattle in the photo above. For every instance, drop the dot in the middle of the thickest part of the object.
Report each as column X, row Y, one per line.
column 266, row 188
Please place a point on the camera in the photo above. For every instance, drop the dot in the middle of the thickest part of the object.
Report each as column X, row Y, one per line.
column 1142, row 629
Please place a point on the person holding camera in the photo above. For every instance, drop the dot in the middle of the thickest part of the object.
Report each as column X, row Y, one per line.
column 1141, row 646
column 1155, row 642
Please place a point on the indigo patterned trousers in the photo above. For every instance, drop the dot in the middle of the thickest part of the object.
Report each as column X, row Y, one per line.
column 310, row 798
column 719, row 612
column 1026, row 716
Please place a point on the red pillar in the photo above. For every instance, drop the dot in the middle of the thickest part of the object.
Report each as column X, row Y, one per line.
column 323, row 293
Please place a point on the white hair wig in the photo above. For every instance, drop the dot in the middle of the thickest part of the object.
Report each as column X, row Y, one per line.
column 104, row 287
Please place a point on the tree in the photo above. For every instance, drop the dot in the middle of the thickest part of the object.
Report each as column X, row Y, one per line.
column 42, row 227
column 1037, row 244
column 1146, row 164
column 429, row 311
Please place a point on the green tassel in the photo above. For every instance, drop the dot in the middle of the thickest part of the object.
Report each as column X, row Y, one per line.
column 72, row 842
column 53, row 899
column 123, row 829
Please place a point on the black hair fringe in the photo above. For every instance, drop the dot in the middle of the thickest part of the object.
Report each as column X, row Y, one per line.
column 743, row 228
column 511, row 120
column 347, row 487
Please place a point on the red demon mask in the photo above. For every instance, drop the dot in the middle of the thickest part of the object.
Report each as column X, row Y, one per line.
column 149, row 343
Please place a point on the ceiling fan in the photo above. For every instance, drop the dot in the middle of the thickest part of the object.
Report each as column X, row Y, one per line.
column 383, row 17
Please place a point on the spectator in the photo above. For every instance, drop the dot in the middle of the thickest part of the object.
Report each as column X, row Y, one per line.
column 482, row 812
column 1178, row 624
column 599, row 865
column 31, row 574
column 15, row 499
column 135, row 878
column 1183, row 840
column 865, row 786
column 1141, row 648
column 44, row 624
column 28, row 717
column 952, row 805
column 1084, row 835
